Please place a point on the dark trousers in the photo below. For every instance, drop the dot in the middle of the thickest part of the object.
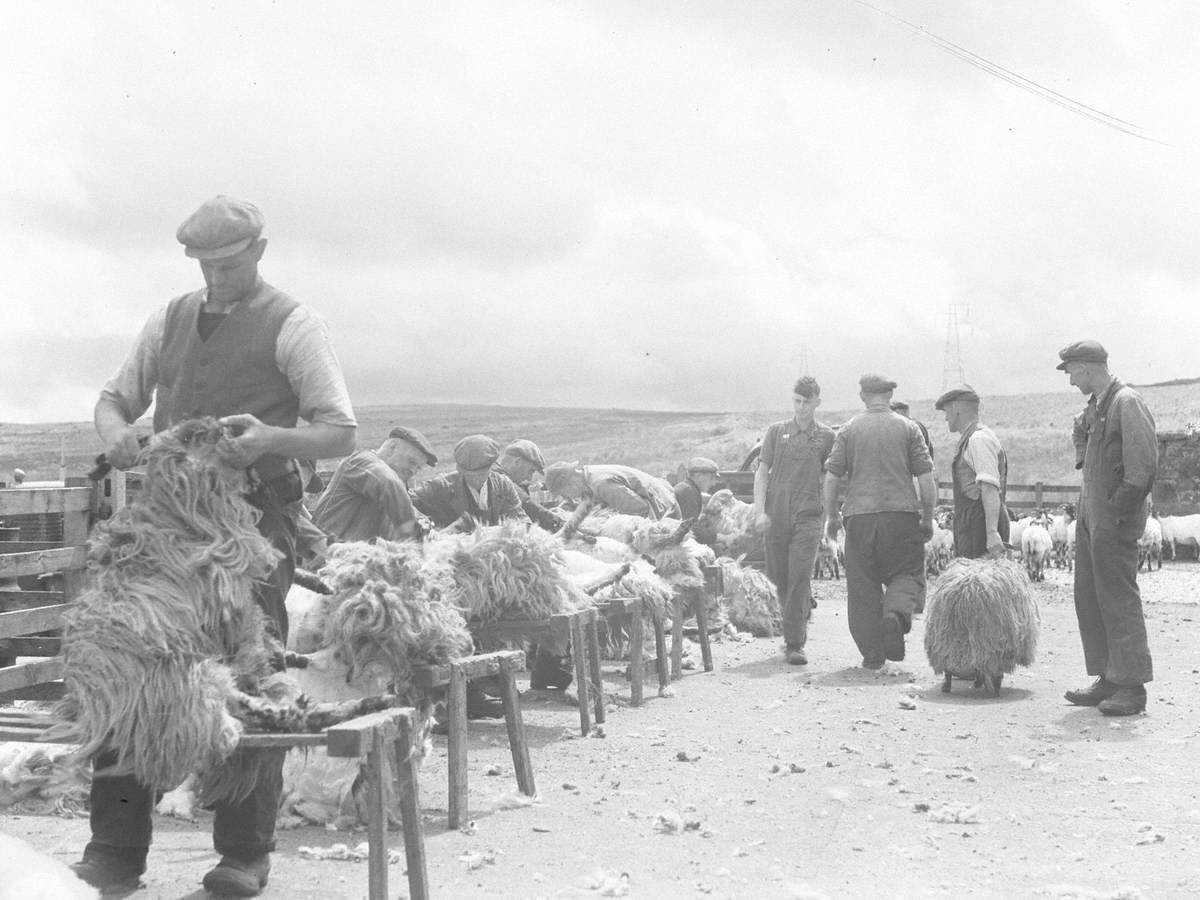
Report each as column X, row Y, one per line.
column 1107, row 602
column 885, row 569
column 121, row 807
column 791, row 553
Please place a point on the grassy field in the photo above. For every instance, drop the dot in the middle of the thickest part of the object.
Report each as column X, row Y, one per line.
column 1035, row 430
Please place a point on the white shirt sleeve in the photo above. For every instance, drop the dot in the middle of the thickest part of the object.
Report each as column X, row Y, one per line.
column 304, row 353
column 982, row 454
column 132, row 387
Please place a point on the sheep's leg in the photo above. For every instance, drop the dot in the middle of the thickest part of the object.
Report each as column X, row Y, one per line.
column 259, row 715
column 946, row 683
column 978, row 680
column 996, row 679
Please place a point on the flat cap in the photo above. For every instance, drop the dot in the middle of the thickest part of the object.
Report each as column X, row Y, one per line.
column 899, row 406
column 418, row 440
column 874, row 383
column 558, row 475
column 701, row 464
column 1082, row 351
column 221, row 227
column 528, row 451
column 961, row 392
column 476, row 451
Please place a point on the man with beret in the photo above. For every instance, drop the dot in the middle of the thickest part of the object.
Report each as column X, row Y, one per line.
column 690, row 492
column 474, row 493
column 787, row 502
column 621, row 488
column 880, row 452
column 247, row 353
column 980, row 477
column 1120, row 462
column 521, row 459
column 367, row 496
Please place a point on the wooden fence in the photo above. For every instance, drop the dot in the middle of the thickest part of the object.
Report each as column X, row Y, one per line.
column 32, row 604
column 1019, row 496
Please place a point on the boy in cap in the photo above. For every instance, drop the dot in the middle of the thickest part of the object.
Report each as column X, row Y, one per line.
column 474, row 492
column 367, row 496
column 787, row 501
column 521, row 459
column 1120, row 461
column 880, row 452
column 245, row 352
column 690, row 492
column 980, row 476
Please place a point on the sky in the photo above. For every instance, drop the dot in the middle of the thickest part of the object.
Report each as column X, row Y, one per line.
column 667, row 205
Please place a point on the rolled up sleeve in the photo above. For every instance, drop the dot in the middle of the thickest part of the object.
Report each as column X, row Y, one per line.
column 132, row 388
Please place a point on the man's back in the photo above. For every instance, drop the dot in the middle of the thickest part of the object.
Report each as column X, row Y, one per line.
column 881, row 451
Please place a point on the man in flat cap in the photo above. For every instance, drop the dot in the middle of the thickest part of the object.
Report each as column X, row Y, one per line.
column 622, row 488
column 520, row 460
column 247, row 353
column 474, row 493
column 367, row 496
column 1120, row 462
column 787, row 502
column 880, row 452
column 691, row 491
column 979, row 472
column 902, row 407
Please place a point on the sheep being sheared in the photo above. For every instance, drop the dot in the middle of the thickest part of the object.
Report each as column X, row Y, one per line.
column 166, row 652
column 728, row 525
column 982, row 621
column 752, row 599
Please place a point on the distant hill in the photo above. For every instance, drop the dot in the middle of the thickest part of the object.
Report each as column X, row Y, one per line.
column 1035, row 430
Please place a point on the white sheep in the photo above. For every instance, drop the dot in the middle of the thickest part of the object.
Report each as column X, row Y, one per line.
column 1036, row 547
column 1181, row 531
column 1150, row 545
column 30, row 874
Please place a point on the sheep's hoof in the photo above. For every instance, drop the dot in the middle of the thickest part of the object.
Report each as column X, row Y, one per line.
column 946, row 683
column 994, row 684
column 978, row 680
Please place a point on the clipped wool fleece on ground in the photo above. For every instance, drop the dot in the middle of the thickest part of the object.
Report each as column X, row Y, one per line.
column 751, row 598
column 982, row 618
column 28, row 874
column 43, row 778
column 168, row 630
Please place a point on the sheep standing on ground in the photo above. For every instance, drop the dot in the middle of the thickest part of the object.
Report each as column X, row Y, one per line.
column 1036, row 547
column 982, row 622
column 1150, row 545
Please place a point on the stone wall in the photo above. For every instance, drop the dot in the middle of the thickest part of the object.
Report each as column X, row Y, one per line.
column 1177, row 488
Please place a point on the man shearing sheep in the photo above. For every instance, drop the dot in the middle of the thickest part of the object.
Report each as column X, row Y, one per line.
column 701, row 477
column 621, row 488
column 474, row 492
column 245, row 352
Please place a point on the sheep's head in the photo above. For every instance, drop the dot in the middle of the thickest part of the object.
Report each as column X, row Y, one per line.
column 186, row 462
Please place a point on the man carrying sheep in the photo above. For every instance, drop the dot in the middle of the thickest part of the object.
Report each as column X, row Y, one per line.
column 1120, row 461
column 474, row 492
column 368, row 496
column 980, row 475
column 689, row 493
column 247, row 353
column 880, row 452
column 621, row 488
column 787, row 501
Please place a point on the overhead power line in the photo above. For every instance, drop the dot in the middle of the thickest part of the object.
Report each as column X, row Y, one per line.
column 1018, row 80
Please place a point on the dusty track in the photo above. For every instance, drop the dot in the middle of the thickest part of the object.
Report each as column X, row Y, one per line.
column 811, row 782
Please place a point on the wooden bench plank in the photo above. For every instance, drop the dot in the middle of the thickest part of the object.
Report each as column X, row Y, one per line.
column 480, row 666
column 30, row 674
column 30, row 621
column 10, row 600
column 30, row 646
column 27, row 501
column 39, row 562
column 353, row 738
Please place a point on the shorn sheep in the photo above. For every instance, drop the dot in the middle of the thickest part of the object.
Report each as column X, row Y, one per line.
column 1036, row 547
column 166, row 654
column 982, row 622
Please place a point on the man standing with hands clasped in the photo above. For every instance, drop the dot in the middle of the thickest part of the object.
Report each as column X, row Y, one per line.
column 787, row 501
column 880, row 452
column 1120, row 460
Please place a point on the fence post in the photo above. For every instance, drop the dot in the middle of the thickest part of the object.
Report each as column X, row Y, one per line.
column 1037, row 495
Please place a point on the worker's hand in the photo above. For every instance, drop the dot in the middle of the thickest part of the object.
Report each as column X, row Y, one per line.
column 246, row 439
column 122, row 452
column 995, row 546
column 926, row 527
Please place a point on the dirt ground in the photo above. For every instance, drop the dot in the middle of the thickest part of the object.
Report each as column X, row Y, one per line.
column 760, row 780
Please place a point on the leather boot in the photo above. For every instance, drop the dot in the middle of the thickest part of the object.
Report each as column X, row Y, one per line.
column 1127, row 701
column 233, row 877
column 1093, row 694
